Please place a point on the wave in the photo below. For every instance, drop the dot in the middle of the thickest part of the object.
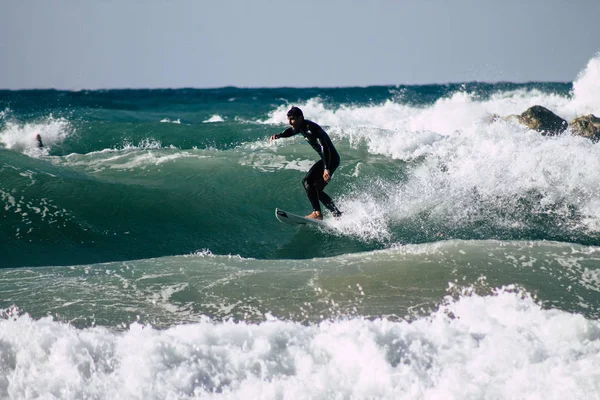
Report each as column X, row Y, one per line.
column 404, row 282
column 586, row 88
column 457, row 110
column 177, row 121
column 493, row 181
column 453, row 352
column 466, row 165
column 496, row 175
column 413, row 171
column 215, row 118
column 21, row 137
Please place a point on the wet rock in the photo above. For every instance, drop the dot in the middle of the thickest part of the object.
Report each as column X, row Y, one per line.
column 587, row 126
column 543, row 120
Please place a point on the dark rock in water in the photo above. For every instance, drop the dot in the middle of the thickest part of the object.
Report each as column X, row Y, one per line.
column 587, row 126
column 543, row 120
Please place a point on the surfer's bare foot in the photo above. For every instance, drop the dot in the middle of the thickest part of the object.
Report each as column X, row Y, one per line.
column 315, row 215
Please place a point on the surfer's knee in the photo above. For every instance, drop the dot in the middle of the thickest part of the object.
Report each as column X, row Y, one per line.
column 308, row 185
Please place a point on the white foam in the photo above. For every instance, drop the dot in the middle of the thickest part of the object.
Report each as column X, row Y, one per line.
column 480, row 168
column 22, row 136
column 214, row 118
column 501, row 346
column 167, row 120
column 365, row 217
column 128, row 159
column 148, row 152
column 445, row 116
column 586, row 89
column 128, row 146
column 272, row 162
column 144, row 144
column 504, row 162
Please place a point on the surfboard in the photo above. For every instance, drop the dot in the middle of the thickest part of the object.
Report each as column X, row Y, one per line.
column 293, row 219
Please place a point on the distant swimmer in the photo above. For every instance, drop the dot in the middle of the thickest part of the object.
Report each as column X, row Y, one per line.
column 319, row 174
column 38, row 138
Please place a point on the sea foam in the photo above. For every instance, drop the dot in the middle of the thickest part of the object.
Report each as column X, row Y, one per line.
column 22, row 136
column 586, row 89
column 498, row 346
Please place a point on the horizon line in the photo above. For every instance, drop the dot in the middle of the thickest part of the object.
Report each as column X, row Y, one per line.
column 279, row 87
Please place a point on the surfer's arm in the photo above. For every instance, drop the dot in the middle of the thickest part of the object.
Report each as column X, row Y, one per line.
column 326, row 152
column 325, row 148
column 287, row 133
column 326, row 157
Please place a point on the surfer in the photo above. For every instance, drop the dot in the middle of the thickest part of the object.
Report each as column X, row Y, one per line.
column 38, row 139
column 320, row 174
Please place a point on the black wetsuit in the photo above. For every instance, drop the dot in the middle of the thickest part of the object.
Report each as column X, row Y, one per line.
column 330, row 159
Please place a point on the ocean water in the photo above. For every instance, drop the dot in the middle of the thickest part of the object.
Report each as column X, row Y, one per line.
column 140, row 257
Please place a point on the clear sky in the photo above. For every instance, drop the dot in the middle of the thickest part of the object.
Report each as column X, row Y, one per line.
column 79, row 44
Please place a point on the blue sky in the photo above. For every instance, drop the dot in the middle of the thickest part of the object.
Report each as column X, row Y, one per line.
column 69, row 44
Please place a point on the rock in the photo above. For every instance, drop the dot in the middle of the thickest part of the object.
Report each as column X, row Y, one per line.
column 543, row 120
column 587, row 126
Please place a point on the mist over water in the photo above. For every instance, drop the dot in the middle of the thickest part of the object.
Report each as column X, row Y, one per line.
column 140, row 257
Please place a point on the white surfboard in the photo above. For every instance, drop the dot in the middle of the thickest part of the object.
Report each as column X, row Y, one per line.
column 293, row 219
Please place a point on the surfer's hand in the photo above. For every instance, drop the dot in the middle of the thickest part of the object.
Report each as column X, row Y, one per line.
column 274, row 137
column 326, row 176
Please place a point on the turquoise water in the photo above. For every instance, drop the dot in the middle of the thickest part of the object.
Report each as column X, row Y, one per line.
column 119, row 184
column 143, row 234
